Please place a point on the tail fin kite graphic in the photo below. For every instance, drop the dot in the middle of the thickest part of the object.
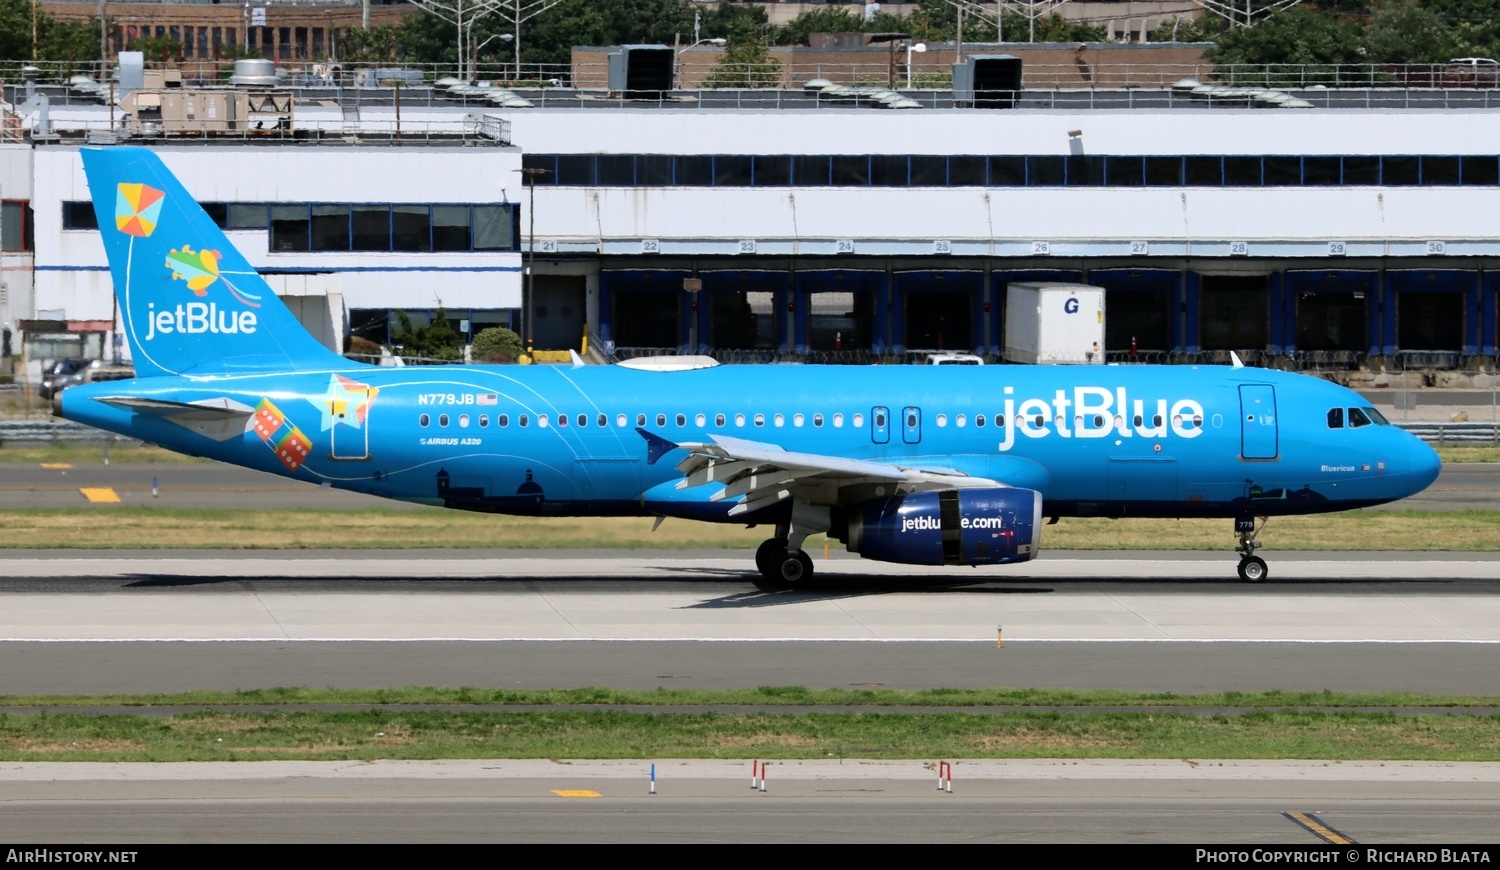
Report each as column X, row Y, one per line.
column 189, row 302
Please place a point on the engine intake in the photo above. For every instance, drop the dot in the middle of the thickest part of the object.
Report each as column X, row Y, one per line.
column 955, row 527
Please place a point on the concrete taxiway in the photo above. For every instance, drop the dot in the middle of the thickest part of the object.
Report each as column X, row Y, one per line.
column 1268, row 803
column 134, row 622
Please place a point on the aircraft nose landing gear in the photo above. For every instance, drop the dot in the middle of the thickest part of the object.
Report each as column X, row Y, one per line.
column 1252, row 567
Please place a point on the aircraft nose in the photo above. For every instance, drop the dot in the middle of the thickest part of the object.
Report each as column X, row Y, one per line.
column 1422, row 465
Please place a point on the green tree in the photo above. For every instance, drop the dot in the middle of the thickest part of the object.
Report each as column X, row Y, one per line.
column 745, row 65
column 435, row 340
column 1407, row 32
column 734, row 22
column 1204, row 28
column 496, row 344
column 1298, row 36
column 157, row 49
column 378, row 44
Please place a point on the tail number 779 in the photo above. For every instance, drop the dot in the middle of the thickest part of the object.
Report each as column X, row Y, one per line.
column 445, row 399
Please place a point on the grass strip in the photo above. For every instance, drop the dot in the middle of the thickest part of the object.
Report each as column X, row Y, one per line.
column 148, row 528
column 386, row 734
column 92, row 454
column 763, row 696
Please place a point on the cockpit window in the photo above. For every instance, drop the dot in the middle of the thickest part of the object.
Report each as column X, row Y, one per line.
column 1336, row 418
column 1377, row 417
column 1357, row 418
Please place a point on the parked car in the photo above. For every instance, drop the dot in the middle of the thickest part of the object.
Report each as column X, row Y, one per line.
column 62, row 369
column 87, row 373
column 954, row 359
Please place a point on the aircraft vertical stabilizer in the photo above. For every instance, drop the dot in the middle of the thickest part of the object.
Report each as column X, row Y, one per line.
column 189, row 302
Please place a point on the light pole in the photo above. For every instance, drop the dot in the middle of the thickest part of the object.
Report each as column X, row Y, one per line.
column 530, row 174
column 474, row 54
column 918, row 49
column 677, row 58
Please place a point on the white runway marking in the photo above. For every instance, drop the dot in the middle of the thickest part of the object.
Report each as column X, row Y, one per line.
column 688, row 599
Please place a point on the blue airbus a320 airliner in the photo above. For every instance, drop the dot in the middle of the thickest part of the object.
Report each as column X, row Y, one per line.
column 921, row 465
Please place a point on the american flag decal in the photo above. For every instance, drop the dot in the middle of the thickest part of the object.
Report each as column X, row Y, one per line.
column 487, row 399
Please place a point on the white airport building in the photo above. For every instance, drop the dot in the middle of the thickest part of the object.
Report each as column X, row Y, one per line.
column 1340, row 229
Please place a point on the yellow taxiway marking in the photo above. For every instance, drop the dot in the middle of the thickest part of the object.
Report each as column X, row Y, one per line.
column 1320, row 830
column 576, row 792
column 100, row 495
column 56, row 465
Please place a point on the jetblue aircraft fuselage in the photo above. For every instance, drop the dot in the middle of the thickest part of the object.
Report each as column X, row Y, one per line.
column 921, row 465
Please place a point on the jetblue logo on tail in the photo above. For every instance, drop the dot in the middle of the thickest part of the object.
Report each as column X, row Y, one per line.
column 196, row 318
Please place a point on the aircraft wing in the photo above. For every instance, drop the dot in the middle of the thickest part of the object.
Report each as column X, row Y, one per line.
column 759, row 474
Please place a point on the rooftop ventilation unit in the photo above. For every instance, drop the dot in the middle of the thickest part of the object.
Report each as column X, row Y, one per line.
column 641, row 71
column 987, row 81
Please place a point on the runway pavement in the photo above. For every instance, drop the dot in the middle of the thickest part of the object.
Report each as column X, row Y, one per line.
column 1160, row 622
column 133, row 622
column 1333, row 808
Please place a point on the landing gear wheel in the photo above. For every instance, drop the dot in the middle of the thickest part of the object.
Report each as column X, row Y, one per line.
column 767, row 553
column 795, row 569
column 786, row 570
column 1252, row 569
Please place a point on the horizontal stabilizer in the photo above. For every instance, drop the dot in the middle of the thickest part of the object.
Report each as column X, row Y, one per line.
column 208, row 409
column 220, row 419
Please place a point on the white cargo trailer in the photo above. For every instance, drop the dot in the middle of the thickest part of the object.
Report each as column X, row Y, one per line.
column 1054, row 323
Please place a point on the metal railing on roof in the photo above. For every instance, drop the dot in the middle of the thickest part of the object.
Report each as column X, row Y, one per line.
column 922, row 76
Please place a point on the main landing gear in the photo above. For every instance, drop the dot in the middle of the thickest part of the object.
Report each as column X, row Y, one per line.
column 780, row 567
column 781, row 560
column 1252, row 567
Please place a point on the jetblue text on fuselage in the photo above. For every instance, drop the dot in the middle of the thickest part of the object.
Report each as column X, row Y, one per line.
column 1097, row 412
column 196, row 318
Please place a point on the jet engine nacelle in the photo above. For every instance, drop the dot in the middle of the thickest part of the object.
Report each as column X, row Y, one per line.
column 955, row 527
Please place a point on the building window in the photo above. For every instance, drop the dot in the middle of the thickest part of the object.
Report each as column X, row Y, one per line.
column 330, row 228
column 411, row 228
column 372, row 228
column 15, row 227
column 79, row 216
column 289, row 228
column 247, row 216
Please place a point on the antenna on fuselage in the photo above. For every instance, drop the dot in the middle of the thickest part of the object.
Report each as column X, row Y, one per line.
column 1235, row 361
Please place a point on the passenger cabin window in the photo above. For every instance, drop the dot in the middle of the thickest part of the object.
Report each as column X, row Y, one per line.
column 1336, row 418
column 1357, row 418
